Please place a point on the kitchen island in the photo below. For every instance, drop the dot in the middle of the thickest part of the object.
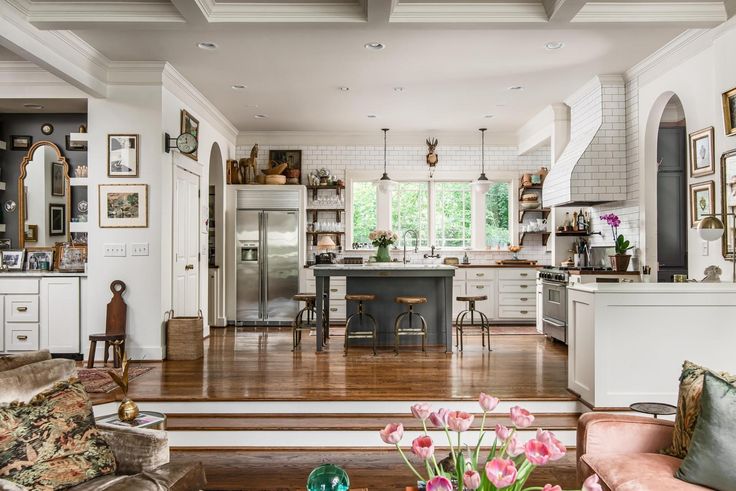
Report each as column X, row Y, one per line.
column 387, row 281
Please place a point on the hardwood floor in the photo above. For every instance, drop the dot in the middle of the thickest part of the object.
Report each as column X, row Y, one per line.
column 377, row 470
column 259, row 365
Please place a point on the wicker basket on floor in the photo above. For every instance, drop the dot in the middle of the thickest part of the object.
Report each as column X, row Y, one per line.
column 184, row 337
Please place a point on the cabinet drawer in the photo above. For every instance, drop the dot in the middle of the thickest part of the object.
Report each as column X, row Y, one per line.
column 479, row 288
column 514, row 286
column 19, row 286
column 517, row 274
column 482, row 274
column 337, row 311
column 21, row 337
column 514, row 299
column 520, row 312
column 21, row 308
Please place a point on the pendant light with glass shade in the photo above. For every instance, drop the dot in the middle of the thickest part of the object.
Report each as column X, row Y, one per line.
column 385, row 184
column 482, row 184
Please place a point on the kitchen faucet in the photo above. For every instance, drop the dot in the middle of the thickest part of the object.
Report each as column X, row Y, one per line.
column 416, row 241
column 432, row 255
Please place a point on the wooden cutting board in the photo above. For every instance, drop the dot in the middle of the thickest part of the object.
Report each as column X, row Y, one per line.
column 116, row 309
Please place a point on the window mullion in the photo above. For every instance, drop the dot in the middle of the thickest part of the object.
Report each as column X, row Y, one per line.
column 431, row 215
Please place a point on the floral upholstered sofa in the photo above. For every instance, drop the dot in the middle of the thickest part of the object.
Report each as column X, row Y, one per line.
column 49, row 439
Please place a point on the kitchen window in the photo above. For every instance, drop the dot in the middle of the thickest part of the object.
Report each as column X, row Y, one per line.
column 448, row 213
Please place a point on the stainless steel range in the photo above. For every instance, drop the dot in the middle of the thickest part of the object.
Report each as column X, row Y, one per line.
column 554, row 302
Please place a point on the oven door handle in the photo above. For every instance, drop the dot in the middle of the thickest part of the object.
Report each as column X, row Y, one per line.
column 554, row 323
column 554, row 284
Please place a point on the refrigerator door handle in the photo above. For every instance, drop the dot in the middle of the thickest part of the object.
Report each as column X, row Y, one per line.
column 260, row 266
column 264, row 274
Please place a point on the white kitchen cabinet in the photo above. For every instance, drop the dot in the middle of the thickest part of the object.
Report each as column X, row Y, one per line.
column 41, row 312
column 458, row 288
column 338, row 286
column 540, row 299
column 487, row 288
column 511, row 292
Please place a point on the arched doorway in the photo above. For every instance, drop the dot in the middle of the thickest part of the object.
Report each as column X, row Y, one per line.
column 216, row 239
column 672, row 213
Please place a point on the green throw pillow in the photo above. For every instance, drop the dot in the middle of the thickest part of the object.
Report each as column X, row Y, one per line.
column 712, row 453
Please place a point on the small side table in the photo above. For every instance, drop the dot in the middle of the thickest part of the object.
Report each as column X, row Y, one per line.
column 654, row 408
column 146, row 419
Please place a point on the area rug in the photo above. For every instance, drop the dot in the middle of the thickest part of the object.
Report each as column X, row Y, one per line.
column 97, row 380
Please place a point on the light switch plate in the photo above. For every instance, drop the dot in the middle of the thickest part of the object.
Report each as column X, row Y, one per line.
column 139, row 249
column 706, row 248
column 114, row 250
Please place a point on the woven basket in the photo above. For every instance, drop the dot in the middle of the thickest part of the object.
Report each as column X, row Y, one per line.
column 184, row 337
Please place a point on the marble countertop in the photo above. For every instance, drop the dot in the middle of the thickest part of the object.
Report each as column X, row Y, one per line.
column 36, row 274
column 655, row 287
column 382, row 266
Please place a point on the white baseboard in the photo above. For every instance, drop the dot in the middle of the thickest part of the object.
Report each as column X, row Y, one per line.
column 139, row 353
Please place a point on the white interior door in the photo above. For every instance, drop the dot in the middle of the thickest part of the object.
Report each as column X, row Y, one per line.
column 186, row 243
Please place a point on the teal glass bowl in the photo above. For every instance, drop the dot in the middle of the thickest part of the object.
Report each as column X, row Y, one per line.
column 328, row 477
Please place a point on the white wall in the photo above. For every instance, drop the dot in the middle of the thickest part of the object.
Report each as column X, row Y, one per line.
column 698, row 78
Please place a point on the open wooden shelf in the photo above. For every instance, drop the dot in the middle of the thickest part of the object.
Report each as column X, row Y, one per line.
column 572, row 234
column 544, row 211
column 315, row 189
column 537, row 187
column 545, row 237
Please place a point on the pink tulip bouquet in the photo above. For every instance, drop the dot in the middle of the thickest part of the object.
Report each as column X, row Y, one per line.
column 383, row 237
column 508, row 464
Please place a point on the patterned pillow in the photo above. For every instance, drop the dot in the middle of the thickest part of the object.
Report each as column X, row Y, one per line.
column 52, row 442
column 688, row 406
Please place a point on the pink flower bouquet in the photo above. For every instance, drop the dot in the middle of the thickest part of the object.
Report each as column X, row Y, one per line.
column 507, row 465
column 382, row 238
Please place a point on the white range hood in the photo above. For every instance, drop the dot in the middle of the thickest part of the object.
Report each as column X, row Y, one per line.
column 592, row 168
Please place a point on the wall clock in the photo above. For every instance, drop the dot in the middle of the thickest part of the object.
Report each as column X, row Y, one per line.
column 47, row 128
column 186, row 143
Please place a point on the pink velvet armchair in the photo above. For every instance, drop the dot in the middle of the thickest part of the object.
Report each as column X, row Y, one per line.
column 624, row 451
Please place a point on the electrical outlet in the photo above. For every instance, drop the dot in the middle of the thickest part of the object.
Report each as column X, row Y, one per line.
column 114, row 250
column 139, row 249
column 706, row 248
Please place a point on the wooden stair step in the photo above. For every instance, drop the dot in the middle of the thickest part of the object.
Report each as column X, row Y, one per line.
column 338, row 422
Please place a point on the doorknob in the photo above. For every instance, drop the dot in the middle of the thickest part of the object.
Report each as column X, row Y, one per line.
column 188, row 267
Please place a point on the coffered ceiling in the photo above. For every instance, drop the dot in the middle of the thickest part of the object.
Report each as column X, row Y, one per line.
column 446, row 66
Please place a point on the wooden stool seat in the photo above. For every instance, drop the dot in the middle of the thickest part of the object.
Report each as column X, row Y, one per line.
column 359, row 297
column 472, row 298
column 106, row 337
column 305, row 297
column 411, row 300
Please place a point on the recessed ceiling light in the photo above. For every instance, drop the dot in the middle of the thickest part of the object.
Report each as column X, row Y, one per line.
column 500, row 105
column 207, row 45
column 516, row 87
column 251, row 105
column 260, row 116
column 399, row 89
column 33, row 106
column 489, row 116
column 554, row 45
column 372, row 116
column 239, row 86
column 344, row 89
column 375, row 46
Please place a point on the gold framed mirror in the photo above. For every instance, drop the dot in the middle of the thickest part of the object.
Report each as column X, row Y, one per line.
column 44, row 197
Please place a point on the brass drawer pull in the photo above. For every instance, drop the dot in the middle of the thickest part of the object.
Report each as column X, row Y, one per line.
column 480, row 274
column 21, row 309
column 524, row 311
column 524, row 286
column 523, row 299
column 333, row 309
column 22, row 338
column 523, row 274
column 480, row 287
column 333, row 289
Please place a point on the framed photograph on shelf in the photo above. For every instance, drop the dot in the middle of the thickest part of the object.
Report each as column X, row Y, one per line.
column 728, row 198
column 58, row 183
column 13, row 259
column 729, row 111
column 122, row 155
column 123, row 205
column 702, row 201
column 702, row 147
column 39, row 258
column 20, row 142
column 75, row 146
column 71, row 258
column 57, row 219
column 190, row 124
column 31, row 234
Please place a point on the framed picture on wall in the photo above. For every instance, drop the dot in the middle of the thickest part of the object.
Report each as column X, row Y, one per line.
column 57, row 219
column 123, row 205
column 6, row 244
column 20, row 142
column 728, row 199
column 58, row 183
column 190, row 124
column 729, row 111
column 31, row 234
column 702, row 201
column 122, row 155
column 702, row 162
column 291, row 157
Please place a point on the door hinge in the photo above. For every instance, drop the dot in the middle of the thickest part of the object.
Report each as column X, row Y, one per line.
column 199, row 257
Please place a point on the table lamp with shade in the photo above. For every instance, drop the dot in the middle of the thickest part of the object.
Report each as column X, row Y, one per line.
column 324, row 246
column 711, row 228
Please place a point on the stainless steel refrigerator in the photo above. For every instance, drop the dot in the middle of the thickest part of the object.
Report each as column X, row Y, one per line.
column 267, row 248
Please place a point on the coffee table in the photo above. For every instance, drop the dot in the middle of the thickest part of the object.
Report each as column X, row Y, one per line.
column 654, row 408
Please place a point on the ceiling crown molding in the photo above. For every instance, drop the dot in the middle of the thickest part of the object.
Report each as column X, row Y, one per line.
column 371, row 138
column 464, row 12
column 669, row 50
column 346, row 11
column 70, row 14
column 660, row 12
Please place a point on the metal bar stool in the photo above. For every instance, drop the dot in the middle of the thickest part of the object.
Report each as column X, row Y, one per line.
column 360, row 315
column 299, row 324
column 485, row 326
column 411, row 330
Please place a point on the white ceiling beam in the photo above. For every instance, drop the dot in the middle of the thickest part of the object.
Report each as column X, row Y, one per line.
column 469, row 12
column 730, row 7
column 61, row 53
column 689, row 14
column 192, row 11
column 562, row 11
column 62, row 15
column 222, row 12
